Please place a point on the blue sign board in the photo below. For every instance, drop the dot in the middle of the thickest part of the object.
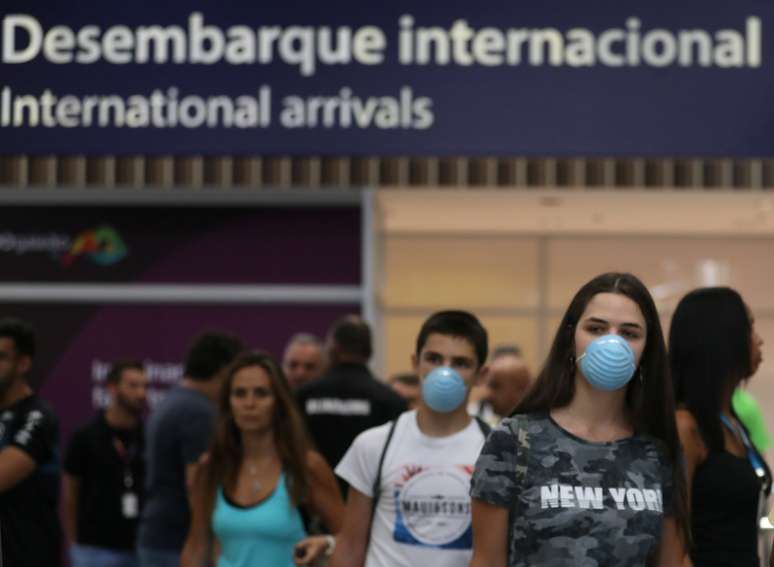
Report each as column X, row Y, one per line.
column 558, row 78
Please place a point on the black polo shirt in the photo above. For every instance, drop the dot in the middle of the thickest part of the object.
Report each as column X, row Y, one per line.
column 29, row 523
column 104, row 459
column 342, row 404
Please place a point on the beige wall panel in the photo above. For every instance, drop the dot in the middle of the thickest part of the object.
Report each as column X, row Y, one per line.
column 670, row 267
column 457, row 271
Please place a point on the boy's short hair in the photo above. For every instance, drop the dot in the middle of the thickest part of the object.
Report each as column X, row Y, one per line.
column 456, row 324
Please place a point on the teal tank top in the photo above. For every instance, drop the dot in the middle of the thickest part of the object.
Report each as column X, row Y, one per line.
column 264, row 534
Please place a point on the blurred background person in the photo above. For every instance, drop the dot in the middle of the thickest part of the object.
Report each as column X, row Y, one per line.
column 259, row 472
column 348, row 399
column 508, row 380
column 407, row 385
column 104, row 475
column 713, row 348
column 29, row 447
column 303, row 360
column 177, row 434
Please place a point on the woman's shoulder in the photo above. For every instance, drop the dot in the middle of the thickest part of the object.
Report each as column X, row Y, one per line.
column 519, row 427
column 688, row 429
column 650, row 447
column 691, row 439
column 525, row 419
column 685, row 419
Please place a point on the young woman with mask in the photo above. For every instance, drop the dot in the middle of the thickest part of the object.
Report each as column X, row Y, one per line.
column 260, row 473
column 583, row 472
column 713, row 347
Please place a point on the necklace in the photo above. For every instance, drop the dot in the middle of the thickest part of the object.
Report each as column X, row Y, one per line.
column 254, row 472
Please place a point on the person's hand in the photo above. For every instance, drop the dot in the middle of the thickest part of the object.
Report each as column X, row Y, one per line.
column 311, row 548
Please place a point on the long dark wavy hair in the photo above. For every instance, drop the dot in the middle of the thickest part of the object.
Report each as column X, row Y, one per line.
column 650, row 401
column 290, row 436
column 709, row 350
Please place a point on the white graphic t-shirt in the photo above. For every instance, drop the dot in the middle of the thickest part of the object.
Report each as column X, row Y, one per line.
column 423, row 513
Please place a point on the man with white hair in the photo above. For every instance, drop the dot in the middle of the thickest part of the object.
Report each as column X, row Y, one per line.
column 303, row 360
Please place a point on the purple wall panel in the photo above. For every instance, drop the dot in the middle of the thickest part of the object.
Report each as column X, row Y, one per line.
column 158, row 245
column 239, row 245
column 76, row 342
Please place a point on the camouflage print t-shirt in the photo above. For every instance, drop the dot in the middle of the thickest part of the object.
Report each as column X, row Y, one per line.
column 574, row 502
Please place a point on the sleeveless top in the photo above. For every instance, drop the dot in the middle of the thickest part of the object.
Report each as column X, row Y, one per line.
column 725, row 508
column 262, row 534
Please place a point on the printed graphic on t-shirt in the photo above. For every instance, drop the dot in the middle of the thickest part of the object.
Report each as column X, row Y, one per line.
column 573, row 502
column 598, row 498
column 433, row 506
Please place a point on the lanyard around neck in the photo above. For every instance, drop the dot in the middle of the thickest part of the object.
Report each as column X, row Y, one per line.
column 752, row 455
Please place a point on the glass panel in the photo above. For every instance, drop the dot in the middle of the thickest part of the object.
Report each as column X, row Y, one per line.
column 474, row 272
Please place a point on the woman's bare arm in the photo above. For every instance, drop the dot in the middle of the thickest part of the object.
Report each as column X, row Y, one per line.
column 324, row 495
column 197, row 543
column 490, row 535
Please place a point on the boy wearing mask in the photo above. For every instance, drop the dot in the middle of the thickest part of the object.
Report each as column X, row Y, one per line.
column 409, row 480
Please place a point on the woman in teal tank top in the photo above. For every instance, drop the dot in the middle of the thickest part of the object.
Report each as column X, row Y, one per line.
column 259, row 474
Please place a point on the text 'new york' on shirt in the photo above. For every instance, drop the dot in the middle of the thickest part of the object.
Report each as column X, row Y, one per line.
column 575, row 501
column 423, row 513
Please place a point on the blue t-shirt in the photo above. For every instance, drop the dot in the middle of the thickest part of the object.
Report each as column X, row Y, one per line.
column 262, row 534
column 177, row 434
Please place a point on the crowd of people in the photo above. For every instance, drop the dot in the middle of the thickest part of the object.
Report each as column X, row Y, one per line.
column 621, row 451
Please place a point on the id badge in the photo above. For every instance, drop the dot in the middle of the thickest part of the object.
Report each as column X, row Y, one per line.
column 129, row 505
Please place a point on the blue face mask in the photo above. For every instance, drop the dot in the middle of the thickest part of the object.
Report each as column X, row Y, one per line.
column 608, row 363
column 443, row 389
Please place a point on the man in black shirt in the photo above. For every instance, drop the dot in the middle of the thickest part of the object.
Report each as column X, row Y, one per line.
column 30, row 535
column 104, row 472
column 347, row 399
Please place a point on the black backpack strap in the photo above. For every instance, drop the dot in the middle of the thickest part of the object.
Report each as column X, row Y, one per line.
column 377, row 486
column 483, row 426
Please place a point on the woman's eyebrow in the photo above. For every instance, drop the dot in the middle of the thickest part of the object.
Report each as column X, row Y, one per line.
column 606, row 322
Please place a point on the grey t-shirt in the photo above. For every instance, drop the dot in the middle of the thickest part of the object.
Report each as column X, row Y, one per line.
column 177, row 434
column 573, row 502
